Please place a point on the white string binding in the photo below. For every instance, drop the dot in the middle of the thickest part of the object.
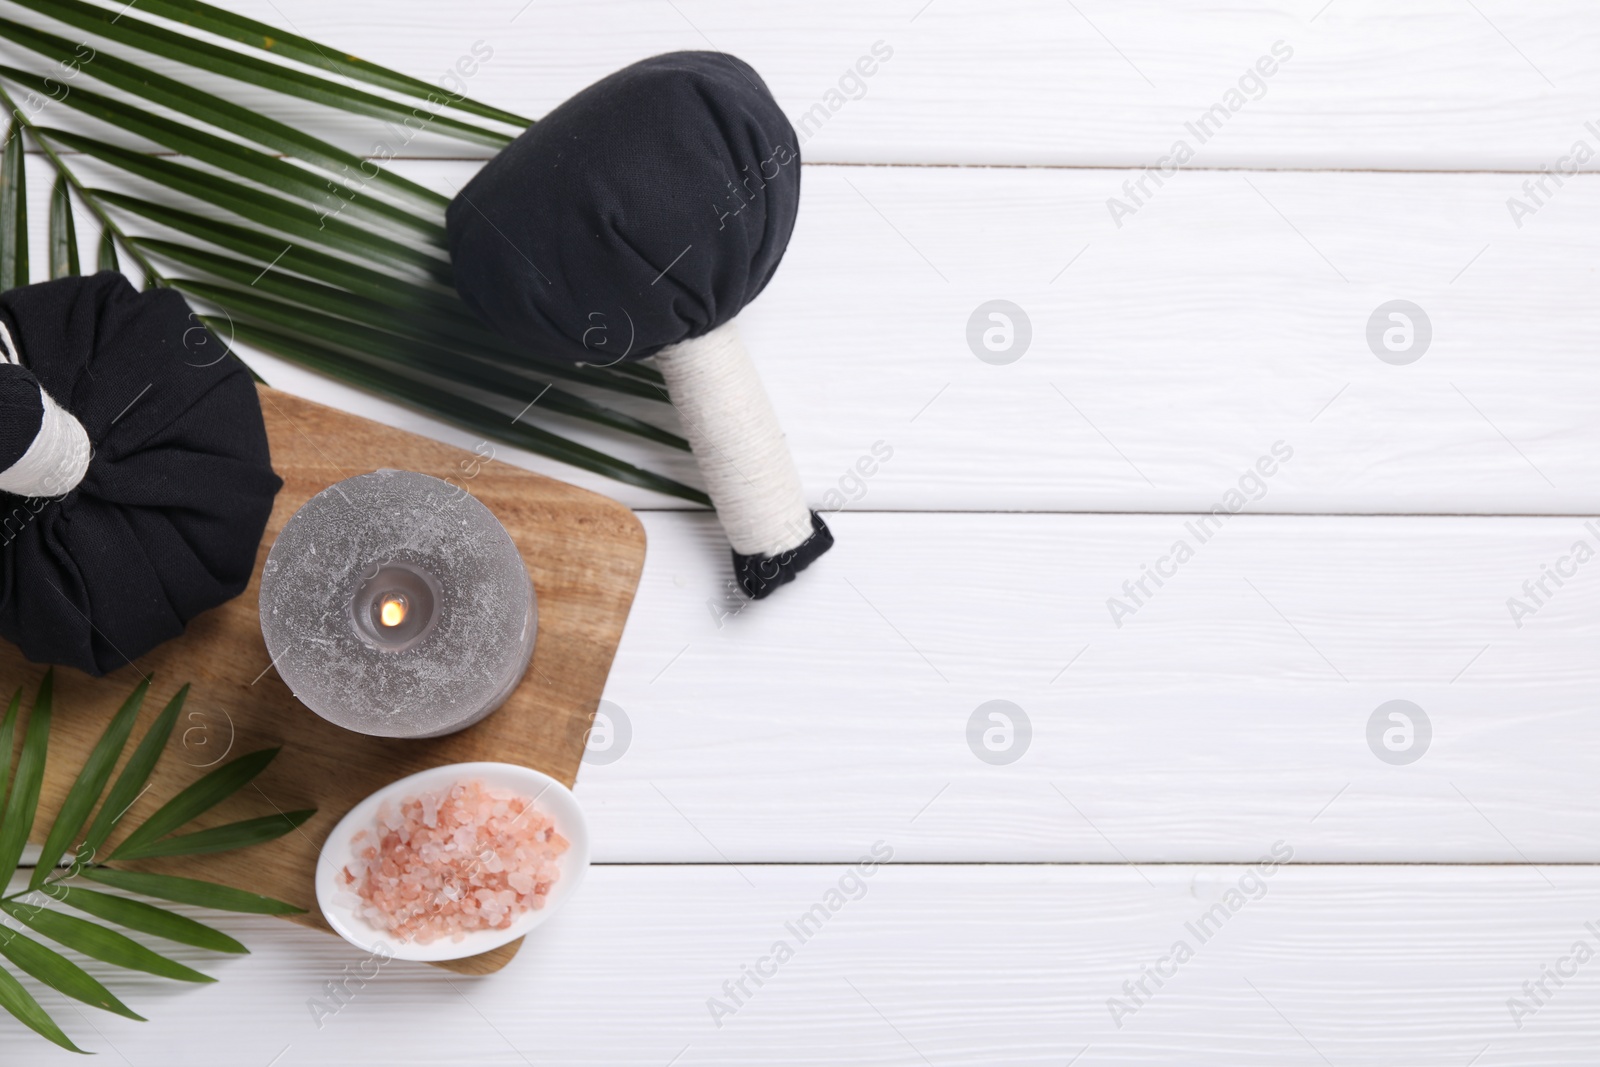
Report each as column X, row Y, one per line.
column 58, row 458
column 737, row 442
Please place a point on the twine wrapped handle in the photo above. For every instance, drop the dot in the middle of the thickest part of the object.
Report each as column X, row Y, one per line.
column 44, row 449
column 744, row 459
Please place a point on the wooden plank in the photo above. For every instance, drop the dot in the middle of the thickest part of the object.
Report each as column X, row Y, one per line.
column 1431, row 85
column 1231, row 708
column 1262, row 336
column 1168, row 356
column 583, row 553
column 944, row 965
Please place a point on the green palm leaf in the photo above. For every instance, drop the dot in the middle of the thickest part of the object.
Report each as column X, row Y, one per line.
column 91, row 782
column 129, row 30
column 19, row 1002
column 97, row 942
column 135, row 773
column 242, row 160
column 259, row 35
column 63, row 234
column 13, row 212
column 269, row 249
column 458, row 410
column 147, row 919
column 24, row 798
column 234, row 835
column 453, row 365
column 8, row 733
column 216, row 112
column 106, row 259
column 189, row 891
column 60, row 973
column 295, row 220
column 37, row 908
column 197, row 799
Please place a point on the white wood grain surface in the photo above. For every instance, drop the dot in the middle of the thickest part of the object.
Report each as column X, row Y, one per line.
column 1167, row 356
column 769, row 743
column 1231, row 707
column 931, row 965
column 1425, row 85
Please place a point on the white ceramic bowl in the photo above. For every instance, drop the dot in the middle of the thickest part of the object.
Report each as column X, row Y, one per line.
column 549, row 796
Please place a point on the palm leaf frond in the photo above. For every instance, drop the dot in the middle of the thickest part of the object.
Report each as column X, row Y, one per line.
column 13, row 211
column 8, row 734
column 296, row 220
column 97, row 942
column 451, row 408
column 192, row 51
column 21, row 1003
column 383, row 343
column 234, row 835
column 23, row 800
column 59, row 973
column 63, row 233
column 246, row 31
column 148, row 919
column 215, row 111
column 248, row 163
column 37, row 907
column 197, row 799
column 267, row 248
column 135, row 773
column 106, row 257
column 85, row 792
column 189, row 891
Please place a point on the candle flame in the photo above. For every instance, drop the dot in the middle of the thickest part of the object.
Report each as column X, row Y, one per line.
column 392, row 610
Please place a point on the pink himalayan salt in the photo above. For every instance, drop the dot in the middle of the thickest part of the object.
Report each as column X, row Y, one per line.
column 446, row 863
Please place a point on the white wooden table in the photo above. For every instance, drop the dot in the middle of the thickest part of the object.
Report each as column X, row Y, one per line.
column 1032, row 910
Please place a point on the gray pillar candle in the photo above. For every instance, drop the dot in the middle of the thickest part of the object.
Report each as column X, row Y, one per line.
column 395, row 604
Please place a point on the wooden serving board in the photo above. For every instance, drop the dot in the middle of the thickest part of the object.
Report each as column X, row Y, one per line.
column 583, row 551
